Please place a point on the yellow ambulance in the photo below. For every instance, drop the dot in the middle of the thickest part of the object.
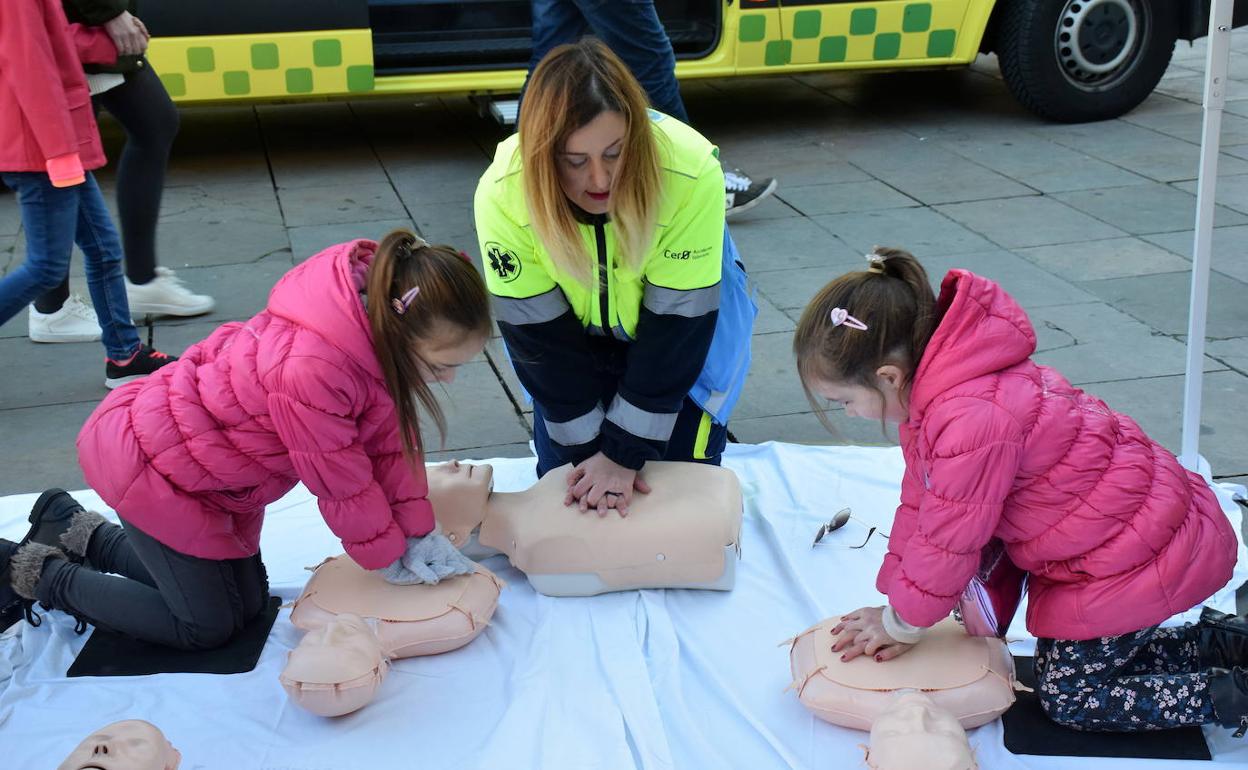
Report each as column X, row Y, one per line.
column 1066, row 60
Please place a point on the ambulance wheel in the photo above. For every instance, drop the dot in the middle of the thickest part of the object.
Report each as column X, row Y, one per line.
column 1082, row 60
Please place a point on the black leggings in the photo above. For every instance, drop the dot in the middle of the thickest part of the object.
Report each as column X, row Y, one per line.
column 155, row 593
column 150, row 119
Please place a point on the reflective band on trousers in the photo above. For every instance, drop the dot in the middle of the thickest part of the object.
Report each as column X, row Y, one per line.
column 531, row 310
column 692, row 303
column 656, row 426
column 580, row 430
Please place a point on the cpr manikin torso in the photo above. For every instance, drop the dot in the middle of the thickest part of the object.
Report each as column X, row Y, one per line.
column 683, row 534
column 915, row 733
column 129, row 745
column 969, row 677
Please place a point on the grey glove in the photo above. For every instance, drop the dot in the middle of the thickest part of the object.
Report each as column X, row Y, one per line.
column 427, row 559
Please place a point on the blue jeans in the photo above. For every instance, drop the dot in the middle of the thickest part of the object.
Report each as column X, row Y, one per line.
column 55, row 218
column 630, row 28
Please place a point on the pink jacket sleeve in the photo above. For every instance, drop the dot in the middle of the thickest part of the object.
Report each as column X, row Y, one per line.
column 315, row 408
column 972, row 449
column 904, row 522
column 27, row 62
column 407, row 490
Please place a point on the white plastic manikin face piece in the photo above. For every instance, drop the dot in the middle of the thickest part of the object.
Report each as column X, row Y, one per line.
column 129, row 745
column 459, row 492
column 913, row 732
column 337, row 668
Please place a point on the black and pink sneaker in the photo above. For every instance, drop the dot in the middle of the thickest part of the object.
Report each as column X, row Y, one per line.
column 141, row 364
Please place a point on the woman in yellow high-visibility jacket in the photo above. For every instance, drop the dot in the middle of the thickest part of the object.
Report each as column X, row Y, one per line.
column 602, row 235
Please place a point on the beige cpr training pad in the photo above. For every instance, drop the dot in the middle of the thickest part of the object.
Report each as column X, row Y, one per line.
column 412, row 620
column 971, row 677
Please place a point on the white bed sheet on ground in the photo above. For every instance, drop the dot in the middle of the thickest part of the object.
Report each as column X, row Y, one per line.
column 641, row 679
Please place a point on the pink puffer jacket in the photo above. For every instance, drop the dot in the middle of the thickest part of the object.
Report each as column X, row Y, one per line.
column 1116, row 535
column 192, row 454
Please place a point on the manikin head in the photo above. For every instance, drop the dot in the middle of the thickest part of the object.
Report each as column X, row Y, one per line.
column 459, row 493
column 129, row 745
column 344, row 643
column 914, row 732
column 337, row 668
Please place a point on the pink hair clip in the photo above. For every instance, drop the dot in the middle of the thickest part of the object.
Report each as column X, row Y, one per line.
column 841, row 317
column 401, row 304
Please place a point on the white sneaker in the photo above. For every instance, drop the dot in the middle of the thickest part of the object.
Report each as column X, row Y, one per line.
column 166, row 295
column 74, row 322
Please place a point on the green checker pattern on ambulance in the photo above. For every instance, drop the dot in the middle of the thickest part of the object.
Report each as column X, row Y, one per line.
column 858, row 32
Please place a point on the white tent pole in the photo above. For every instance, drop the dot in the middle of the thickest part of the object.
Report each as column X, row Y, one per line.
column 1217, row 63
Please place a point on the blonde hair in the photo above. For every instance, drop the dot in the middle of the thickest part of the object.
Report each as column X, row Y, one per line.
column 572, row 85
column 451, row 293
column 895, row 301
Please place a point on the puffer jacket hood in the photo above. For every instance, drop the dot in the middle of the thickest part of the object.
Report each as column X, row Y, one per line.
column 193, row 453
column 982, row 331
column 323, row 295
column 1115, row 534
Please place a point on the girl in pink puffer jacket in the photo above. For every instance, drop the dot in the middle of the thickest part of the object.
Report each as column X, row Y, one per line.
column 1115, row 535
column 317, row 388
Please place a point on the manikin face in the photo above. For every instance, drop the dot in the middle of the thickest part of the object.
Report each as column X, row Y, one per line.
column 865, row 403
column 347, row 636
column 914, row 732
column 445, row 351
column 458, row 492
column 588, row 160
column 129, row 745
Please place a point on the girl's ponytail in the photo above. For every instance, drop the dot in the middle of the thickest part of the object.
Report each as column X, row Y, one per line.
column 903, row 266
column 414, row 291
column 892, row 299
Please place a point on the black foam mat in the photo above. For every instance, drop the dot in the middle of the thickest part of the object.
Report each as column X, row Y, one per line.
column 1029, row 731
column 110, row 654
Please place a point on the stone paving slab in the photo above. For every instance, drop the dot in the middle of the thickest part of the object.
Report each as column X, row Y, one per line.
column 1031, row 286
column 1145, row 209
column 1161, row 301
column 1029, row 221
column 924, row 232
column 1231, row 193
column 786, row 244
column 1125, row 358
column 1228, row 255
column 312, row 239
column 845, row 197
column 1042, row 165
column 1109, row 258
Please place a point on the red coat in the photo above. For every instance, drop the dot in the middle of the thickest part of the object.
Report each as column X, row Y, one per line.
column 1115, row 534
column 193, row 453
column 45, row 107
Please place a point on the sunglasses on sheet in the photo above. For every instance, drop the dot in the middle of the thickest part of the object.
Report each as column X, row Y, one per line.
column 840, row 519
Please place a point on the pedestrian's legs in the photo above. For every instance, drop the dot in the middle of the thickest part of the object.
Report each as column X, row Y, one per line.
column 150, row 119
column 196, row 604
column 49, row 217
column 555, row 22
column 98, row 240
column 1105, row 685
column 632, row 30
